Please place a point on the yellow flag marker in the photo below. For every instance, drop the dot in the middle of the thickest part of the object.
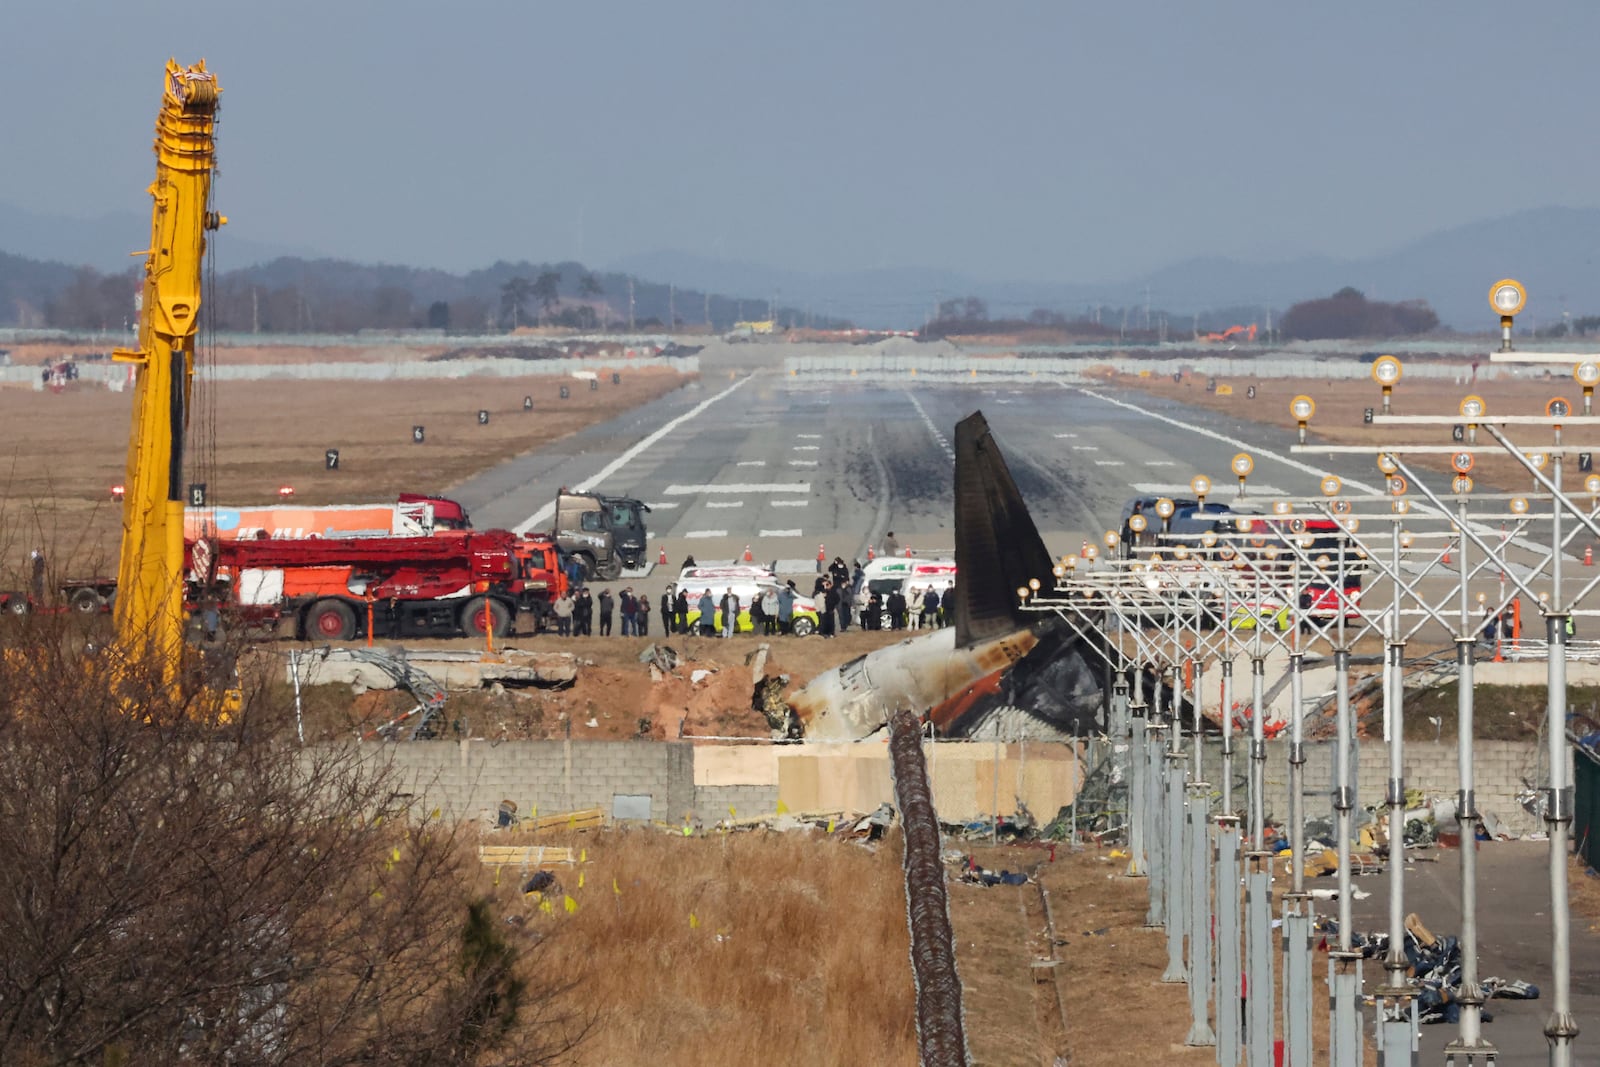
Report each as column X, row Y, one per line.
column 583, row 855
column 571, row 905
column 572, row 821
column 434, row 814
column 580, row 879
column 497, row 875
column 395, row 855
column 688, row 831
column 731, row 813
column 544, row 906
column 615, row 888
column 830, row 824
column 694, row 924
column 783, row 809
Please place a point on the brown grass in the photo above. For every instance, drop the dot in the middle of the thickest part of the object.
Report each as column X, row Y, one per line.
column 63, row 452
column 797, row 951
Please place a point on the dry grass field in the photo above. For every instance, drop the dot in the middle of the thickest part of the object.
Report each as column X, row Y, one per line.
column 61, row 453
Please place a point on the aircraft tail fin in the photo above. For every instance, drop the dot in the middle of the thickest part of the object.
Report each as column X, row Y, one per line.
column 998, row 548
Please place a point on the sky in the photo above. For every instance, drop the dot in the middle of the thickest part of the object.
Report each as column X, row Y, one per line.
column 1043, row 141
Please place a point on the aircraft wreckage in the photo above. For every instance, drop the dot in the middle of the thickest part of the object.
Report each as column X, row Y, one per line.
column 998, row 667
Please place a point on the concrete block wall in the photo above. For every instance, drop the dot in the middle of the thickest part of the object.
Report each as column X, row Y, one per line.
column 1499, row 768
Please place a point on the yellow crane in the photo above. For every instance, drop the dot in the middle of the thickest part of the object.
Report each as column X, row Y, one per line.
column 150, row 572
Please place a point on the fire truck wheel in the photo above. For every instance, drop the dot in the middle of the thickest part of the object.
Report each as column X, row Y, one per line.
column 17, row 605
column 472, row 620
column 86, row 602
column 330, row 620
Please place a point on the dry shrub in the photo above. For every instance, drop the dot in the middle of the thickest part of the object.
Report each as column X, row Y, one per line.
column 798, row 951
column 184, row 886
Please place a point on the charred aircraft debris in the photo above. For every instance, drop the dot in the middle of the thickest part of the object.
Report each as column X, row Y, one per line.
column 998, row 669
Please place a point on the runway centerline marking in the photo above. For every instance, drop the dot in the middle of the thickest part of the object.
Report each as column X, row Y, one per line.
column 802, row 463
column 782, row 533
column 540, row 517
column 934, row 430
column 752, row 463
column 808, row 448
column 809, row 436
column 725, row 504
column 692, row 534
column 750, row 487
column 790, row 503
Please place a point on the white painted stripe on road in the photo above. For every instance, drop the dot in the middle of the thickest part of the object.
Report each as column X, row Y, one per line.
column 790, row 503
column 1064, row 436
column 692, row 534
column 809, row 436
column 665, row 505
column 1161, row 463
column 808, row 448
column 782, row 533
column 751, row 487
column 725, row 504
column 1086, row 448
column 1224, row 497
column 752, row 463
column 540, row 517
column 802, row 463
column 1108, row 463
column 932, row 429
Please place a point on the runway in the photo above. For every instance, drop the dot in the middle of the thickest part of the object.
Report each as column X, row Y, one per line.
column 789, row 468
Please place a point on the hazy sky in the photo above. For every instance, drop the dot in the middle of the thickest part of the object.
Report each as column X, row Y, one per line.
column 1053, row 141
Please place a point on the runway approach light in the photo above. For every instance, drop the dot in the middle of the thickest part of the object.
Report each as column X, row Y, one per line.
column 1519, row 506
column 1591, row 484
column 1559, row 407
column 1302, row 408
column 1282, row 507
column 116, row 493
column 1200, row 485
column 1538, row 459
column 1473, row 407
column 1507, row 296
column 1091, row 553
column 1405, row 540
column 1209, row 539
column 1331, row 485
column 1587, row 374
column 1241, row 466
column 1386, row 371
column 1112, row 539
column 1401, row 507
column 1461, row 484
column 1137, row 524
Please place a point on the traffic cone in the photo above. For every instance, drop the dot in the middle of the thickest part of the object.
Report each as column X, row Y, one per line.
column 1084, row 551
column 1446, row 559
column 1588, row 555
column 663, row 560
column 747, row 556
column 908, row 552
column 871, row 554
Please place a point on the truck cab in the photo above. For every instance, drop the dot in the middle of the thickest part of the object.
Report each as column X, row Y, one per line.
column 604, row 533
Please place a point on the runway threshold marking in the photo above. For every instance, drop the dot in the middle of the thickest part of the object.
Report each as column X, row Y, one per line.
column 802, row 463
column 808, row 448
column 540, row 517
column 752, row 463
column 949, row 452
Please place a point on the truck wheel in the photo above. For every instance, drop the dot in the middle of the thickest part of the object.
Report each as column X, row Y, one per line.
column 611, row 571
column 330, row 620
column 586, row 561
column 17, row 604
column 803, row 626
column 86, row 602
column 472, row 617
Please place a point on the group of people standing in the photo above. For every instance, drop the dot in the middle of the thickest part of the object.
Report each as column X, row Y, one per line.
column 574, row 612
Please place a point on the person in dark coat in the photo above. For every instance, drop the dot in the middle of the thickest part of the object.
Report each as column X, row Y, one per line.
column 758, row 615
column 838, row 572
column 630, row 609
column 680, row 612
column 897, row 610
column 872, row 617
column 666, row 611
column 817, row 586
column 607, row 606
column 583, row 614
column 786, row 608
column 930, row 608
column 830, row 608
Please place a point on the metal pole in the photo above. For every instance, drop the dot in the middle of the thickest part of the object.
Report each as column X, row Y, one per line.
column 1155, row 783
column 1200, row 1032
column 1561, row 1029
column 1177, row 889
column 1469, row 1045
column 1297, row 902
column 1138, row 741
column 1259, row 998
column 1344, row 1040
column 1229, row 982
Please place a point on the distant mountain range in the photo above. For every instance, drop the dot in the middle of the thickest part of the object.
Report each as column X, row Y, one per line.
column 1550, row 249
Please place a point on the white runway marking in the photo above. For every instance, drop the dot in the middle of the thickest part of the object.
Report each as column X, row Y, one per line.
column 705, row 533
column 752, row 487
column 802, row 463
column 949, row 452
column 790, row 503
column 1064, row 436
column 782, row 533
column 809, row 436
column 665, row 505
column 540, row 517
column 752, row 463
column 1086, row 448
column 1108, row 463
column 1222, row 495
column 808, row 448
column 725, row 504
column 1161, row 463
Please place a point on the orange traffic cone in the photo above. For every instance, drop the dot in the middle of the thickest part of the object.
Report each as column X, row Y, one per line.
column 1588, row 555
column 1084, row 551
column 663, row 559
column 747, row 556
column 908, row 552
column 871, row 554
column 1446, row 559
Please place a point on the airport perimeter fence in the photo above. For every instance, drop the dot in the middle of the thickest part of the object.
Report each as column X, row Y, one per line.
column 963, row 366
column 117, row 375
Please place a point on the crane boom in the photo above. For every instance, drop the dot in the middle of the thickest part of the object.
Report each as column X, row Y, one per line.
column 149, row 607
